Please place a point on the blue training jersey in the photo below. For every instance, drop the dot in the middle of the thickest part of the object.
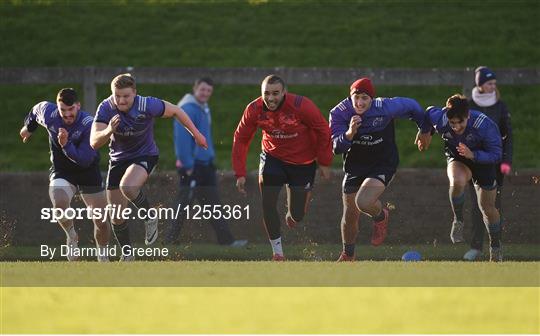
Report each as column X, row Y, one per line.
column 374, row 143
column 481, row 135
column 77, row 154
column 134, row 136
column 187, row 152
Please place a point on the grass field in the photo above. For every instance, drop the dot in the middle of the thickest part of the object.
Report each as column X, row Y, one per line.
column 304, row 301
column 395, row 34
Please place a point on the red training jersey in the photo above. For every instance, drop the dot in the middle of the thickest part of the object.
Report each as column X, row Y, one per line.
column 295, row 133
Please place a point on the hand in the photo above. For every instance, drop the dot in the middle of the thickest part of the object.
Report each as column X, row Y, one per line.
column 464, row 151
column 200, row 140
column 326, row 173
column 113, row 124
column 62, row 136
column 354, row 124
column 506, row 168
column 423, row 140
column 241, row 185
column 25, row 134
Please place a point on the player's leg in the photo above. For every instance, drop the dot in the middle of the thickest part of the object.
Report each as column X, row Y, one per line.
column 478, row 229
column 271, row 180
column 102, row 228
column 458, row 176
column 61, row 192
column 300, row 180
column 116, row 205
column 186, row 191
column 131, row 185
column 207, row 193
column 367, row 201
column 486, row 186
column 349, row 226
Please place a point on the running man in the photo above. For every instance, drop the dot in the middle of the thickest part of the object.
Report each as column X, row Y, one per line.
column 296, row 139
column 363, row 131
column 473, row 149
column 126, row 119
column 75, row 165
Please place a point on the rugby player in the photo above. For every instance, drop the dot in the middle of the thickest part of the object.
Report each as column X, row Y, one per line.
column 296, row 139
column 473, row 150
column 363, row 131
column 75, row 164
column 126, row 119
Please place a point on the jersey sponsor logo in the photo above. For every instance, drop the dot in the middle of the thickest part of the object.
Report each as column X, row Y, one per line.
column 368, row 142
column 366, row 137
column 280, row 134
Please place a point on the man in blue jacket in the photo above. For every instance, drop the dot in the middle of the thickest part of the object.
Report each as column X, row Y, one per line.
column 195, row 165
column 473, row 149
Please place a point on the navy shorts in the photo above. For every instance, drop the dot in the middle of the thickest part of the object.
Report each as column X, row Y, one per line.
column 88, row 180
column 352, row 182
column 295, row 175
column 483, row 175
column 117, row 169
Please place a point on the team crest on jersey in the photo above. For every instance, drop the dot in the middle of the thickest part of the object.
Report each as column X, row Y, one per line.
column 140, row 117
column 469, row 138
column 378, row 121
column 76, row 134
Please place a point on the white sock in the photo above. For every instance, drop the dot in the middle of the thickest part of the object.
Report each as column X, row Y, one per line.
column 276, row 246
column 70, row 232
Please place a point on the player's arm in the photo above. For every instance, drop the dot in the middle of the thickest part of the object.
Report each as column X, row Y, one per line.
column 31, row 121
column 82, row 154
column 184, row 144
column 101, row 132
column 174, row 111
column 492, row 145
column 339, row 127
column 242, row 139
column 313, row 118
column 507, row 136
column 402, row 107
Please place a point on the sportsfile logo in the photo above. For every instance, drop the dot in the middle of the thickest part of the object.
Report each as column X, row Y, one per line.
column 206, row 211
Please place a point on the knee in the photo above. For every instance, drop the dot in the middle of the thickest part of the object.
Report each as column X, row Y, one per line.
column 363, row 204
column 129, row 192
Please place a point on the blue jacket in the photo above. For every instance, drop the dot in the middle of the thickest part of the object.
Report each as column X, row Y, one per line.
column 481, row 135
column 184, row 145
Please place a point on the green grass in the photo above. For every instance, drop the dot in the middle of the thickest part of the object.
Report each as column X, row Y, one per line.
column 296, row 252
column 396, row 34
column 270, row 33
column 321, row 274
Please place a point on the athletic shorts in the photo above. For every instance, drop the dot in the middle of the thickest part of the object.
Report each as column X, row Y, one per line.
column 88, row 180
column 352, row 182
column 295, row 175
column 117, row 169
column 483, row 175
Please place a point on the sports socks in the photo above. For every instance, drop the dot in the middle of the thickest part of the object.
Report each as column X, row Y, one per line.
column 122, row 234
column 277, row 248
column 494, row 231
column 141, row 202
column 457, row 206
column 349, row 249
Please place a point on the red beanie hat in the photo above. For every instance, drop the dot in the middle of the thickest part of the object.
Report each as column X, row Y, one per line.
column 363, row 85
